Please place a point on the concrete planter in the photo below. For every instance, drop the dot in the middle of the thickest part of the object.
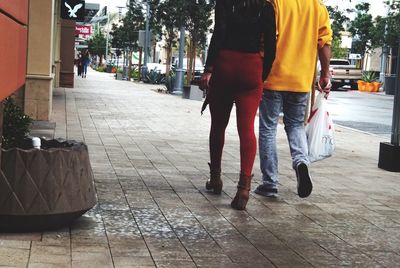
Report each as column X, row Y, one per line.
column 47, row 188
column 368, row 87
column 192, row 92
column 390, row 84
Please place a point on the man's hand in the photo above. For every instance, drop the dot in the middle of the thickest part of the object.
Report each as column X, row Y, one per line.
column 205, row 81
column 325, row 85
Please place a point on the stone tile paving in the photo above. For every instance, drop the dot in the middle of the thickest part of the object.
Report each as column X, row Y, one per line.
column 149, row 154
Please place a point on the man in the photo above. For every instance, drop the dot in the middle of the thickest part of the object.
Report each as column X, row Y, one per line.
column 303, row 32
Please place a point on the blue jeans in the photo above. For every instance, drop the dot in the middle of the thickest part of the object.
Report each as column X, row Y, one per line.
column 293, row 105
column 84, row 71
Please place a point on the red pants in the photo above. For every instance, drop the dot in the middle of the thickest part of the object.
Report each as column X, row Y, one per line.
column 237, row 78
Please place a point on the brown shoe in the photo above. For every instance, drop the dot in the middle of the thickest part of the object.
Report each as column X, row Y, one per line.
column 214, row 183
column 242, row 194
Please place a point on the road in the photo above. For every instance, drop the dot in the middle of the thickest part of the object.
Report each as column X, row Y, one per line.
column 368, row 112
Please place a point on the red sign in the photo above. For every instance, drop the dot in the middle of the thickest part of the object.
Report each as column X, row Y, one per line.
column 85, row 30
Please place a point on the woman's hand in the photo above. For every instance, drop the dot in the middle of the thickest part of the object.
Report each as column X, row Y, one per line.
column 205, row 81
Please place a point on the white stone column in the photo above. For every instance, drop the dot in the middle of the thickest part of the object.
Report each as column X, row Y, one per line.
column 39, row 78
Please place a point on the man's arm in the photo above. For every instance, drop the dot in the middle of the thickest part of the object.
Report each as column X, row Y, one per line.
column 324, row 55
column 324, row 49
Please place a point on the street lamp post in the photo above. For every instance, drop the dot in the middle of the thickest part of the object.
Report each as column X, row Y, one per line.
column 383, row 63
column 107, row 30
column 178, row 88
column 396, row 113
column 146, row 40
column 385, row 50
column 389, row 153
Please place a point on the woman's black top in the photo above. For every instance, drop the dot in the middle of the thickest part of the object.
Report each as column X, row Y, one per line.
column 242, row 28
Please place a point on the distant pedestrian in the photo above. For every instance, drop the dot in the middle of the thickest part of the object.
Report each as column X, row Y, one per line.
column 234, row 73
column 85, row 63
column 303, row 32
column 79, row 64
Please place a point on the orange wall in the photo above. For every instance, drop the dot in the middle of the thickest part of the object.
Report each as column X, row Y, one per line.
column 18, row 9
column 13, row 45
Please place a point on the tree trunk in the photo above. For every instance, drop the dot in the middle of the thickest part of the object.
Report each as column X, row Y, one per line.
column 154, row 53
column 194, row 50
column 362, row 62
column 130, row 65
column 140, row 63
column 169, row 53
column 189, row 69
column 101, row 60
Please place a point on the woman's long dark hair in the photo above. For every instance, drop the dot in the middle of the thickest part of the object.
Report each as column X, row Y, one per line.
column 247, row 8
column 249, row 3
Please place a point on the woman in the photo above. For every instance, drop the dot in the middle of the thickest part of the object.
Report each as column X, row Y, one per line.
column 234, row 73
column 79, row 64
column 85, row 63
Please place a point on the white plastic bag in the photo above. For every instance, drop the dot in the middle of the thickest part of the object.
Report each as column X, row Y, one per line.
column 320, row 131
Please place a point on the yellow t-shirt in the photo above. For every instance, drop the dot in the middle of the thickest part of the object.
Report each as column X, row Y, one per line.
column 302, row 26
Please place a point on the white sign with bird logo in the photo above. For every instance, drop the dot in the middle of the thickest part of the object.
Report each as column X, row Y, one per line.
column 73, row 10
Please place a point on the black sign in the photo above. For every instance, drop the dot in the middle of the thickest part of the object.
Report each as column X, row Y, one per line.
column 73, row 10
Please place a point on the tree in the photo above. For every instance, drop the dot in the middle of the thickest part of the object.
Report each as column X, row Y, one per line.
column 126, row 35
column 339, row 19
column 97, row 45
column 118, row 36
column 198, row 25
column 338, row 52
column 154, row 24
column 195, row 16
column 387, row 29
column 362, row 29
column 393, row 25
column 168, row 16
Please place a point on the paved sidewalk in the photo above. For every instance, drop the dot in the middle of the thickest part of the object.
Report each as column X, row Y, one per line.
column 149, row 153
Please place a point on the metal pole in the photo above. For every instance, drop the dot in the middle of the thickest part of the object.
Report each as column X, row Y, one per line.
column 147, row 37
column 179, row 71
column 108, row 20
column 396, row 106
column 384, row 52
column 383, row 64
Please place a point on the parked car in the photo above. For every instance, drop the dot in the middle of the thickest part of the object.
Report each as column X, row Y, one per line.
column 115, row 62
column 198, row 69
column 162, row 68
column 342, row 73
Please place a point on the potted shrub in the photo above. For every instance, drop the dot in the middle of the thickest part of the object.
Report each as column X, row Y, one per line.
column 41, row 189
column 154, row 77
column 368, row 83
column 135, row 74
column 170, row 81
column 361, row 85
column 119, row 74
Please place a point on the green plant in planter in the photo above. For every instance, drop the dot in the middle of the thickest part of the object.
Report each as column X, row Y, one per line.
column 15, row 124
column 170, row 82
column 101, row 69
column 369, row 77
column 155, row 77
column 135, row 74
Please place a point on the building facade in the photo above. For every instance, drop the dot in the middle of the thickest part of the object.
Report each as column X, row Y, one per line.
column 38, row 53
column 13, row 49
